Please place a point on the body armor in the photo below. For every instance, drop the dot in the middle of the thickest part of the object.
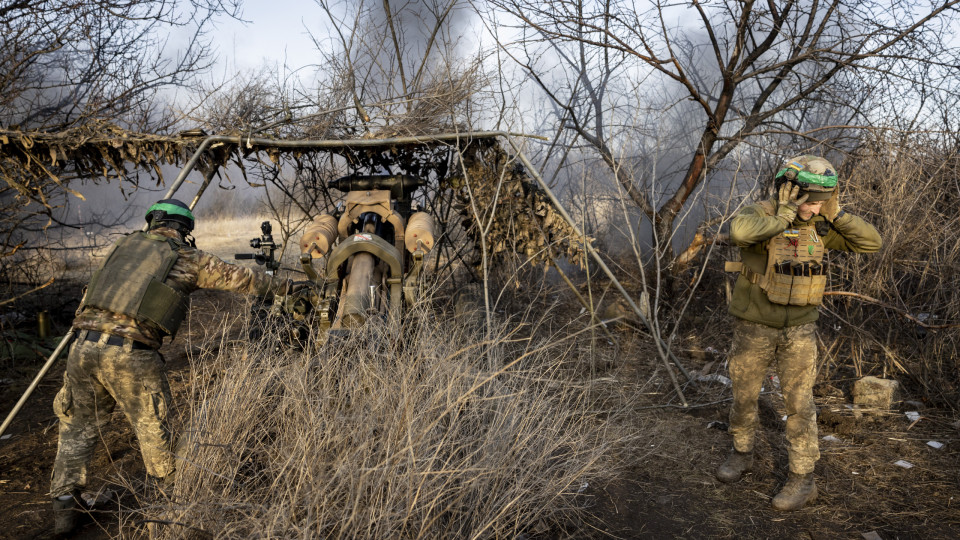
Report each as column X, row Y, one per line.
column 130, row 282
column 795, row 273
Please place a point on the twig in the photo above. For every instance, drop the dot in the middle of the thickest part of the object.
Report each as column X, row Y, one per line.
column 684, row 407
column 583, row 301
column 31, row 291
column 168, row 522
column 895, row 308
column 693, row 406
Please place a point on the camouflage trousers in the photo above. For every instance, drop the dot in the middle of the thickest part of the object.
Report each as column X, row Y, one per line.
column 755, row 346
column 98, row 376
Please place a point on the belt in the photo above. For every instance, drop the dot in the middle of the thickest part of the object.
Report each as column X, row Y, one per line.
column 116, row 341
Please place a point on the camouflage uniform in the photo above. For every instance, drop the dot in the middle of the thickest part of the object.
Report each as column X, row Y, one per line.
column 755, row 346
column 764, row 331
column 100, row 375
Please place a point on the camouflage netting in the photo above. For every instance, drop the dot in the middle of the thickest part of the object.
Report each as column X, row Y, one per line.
column 37, row 169
column 31, row 161
column 525, row 222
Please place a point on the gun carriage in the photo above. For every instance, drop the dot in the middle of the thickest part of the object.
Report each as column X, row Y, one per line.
column 370, row 254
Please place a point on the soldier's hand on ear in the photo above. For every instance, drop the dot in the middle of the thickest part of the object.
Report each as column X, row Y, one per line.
column 789, row 200
column 831, row 207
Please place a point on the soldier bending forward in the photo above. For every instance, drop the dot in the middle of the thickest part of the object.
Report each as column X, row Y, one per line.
column 136, row 297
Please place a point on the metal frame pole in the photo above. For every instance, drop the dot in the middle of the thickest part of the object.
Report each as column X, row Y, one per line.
column 36, row 380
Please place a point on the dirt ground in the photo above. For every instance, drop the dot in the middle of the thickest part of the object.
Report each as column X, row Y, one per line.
column 669, row 492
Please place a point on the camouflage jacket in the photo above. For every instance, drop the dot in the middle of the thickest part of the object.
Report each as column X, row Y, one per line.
column 751, row 229
column 193, row 270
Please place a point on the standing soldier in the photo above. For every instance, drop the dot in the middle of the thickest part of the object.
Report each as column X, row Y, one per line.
column 781, row 284
column 137, row 296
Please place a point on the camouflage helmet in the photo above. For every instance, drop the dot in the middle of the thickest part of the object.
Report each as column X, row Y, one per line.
column 171, row 213
column 816, row 177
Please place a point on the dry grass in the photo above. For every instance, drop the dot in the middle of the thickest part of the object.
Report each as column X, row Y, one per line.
column 223, row 236
column 910, row 194
column 426, row 432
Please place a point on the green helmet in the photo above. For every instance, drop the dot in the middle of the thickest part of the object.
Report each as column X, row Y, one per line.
column 816, row 177
column 171, row 213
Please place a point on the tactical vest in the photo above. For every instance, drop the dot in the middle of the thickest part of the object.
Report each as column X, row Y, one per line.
column 795, row 273
column 130, row 282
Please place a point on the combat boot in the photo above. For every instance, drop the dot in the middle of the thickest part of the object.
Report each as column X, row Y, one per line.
column 798, row 491
column 67, row 513
column 733, row 468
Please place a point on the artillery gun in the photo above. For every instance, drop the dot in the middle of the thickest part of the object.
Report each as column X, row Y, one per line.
column 370, row 256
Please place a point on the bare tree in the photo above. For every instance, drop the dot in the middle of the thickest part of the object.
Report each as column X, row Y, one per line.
column 72, row 71
column 64, row 63
column 748, row 72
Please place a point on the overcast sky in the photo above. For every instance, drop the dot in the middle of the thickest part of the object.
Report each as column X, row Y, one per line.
column 275, row 33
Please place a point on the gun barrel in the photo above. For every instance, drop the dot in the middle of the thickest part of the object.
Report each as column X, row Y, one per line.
column 356, row 298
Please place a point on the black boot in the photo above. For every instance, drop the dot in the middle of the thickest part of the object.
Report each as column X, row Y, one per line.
column 733, row 468
column 67, row 513
column 798, row 491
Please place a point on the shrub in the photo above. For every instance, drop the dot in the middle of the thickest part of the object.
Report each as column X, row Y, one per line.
column 429, row 431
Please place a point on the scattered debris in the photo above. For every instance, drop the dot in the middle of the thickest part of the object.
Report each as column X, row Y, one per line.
column 912, row 416
column 714, row 377
column 831, row 438
column 5, row 437
column 935, row 444
column 583, row 487
column 872, row 535
column 903, row 463
column 913, row 404
column 716, row 424
column 872, row 391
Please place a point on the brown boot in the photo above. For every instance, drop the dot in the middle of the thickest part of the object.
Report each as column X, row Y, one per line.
column 68, row 512
column 733, row 468
column 798, row 491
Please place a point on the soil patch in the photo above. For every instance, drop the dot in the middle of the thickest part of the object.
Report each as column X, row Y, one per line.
column 669, row 491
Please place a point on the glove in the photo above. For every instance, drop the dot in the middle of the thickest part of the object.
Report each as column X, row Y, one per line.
column 789, row 200
column 831, row 207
